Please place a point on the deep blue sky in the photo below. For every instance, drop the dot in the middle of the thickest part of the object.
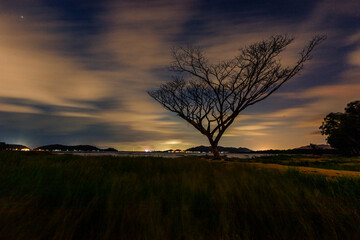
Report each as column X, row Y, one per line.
column 77, row 72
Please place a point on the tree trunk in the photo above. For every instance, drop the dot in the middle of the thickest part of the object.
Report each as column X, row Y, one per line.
column 214, row 147
column 215, row 150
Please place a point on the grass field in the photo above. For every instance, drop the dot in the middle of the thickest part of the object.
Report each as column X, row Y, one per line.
column 44, row 196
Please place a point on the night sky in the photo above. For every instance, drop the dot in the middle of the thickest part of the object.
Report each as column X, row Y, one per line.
column 77, row 72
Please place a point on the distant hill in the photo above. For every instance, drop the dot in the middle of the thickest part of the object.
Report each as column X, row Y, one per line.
column 221, row 149
column 5, row 146
column 109, row 150
column 76, row 148
column 316, row 146
column 308, row 149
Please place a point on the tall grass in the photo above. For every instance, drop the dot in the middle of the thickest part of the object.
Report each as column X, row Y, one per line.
column 44, row 196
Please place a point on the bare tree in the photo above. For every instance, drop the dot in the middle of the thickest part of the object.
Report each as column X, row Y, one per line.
column 210, row 96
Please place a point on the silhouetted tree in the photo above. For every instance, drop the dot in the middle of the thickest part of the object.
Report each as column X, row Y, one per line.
column 210, row 96
column 343, row 129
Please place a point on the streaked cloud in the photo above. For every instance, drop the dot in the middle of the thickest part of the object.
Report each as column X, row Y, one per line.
column 19, row 109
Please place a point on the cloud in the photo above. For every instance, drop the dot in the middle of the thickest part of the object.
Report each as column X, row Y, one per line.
column 173, row 142
column 140, row 33
column 354, row 56
column 315, row 133
column 250, row 128
column 29, row 69
column 327, row 10
column 70, row 83
column 42, row 77
column 247, row 130
column 19, row 109
column 40, row 129
column 325, row 99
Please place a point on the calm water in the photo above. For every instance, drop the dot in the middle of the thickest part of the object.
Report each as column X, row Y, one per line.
column 166, row 155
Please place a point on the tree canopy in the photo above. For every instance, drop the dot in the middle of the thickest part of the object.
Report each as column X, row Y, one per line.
column 210, row 96
column 343, row 129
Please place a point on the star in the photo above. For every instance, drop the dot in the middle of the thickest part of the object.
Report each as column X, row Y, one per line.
column 22, row 17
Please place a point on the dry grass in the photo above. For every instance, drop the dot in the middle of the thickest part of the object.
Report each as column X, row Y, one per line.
column 330, row 173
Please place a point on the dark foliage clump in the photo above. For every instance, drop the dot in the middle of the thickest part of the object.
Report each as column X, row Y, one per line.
column 343, row 129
